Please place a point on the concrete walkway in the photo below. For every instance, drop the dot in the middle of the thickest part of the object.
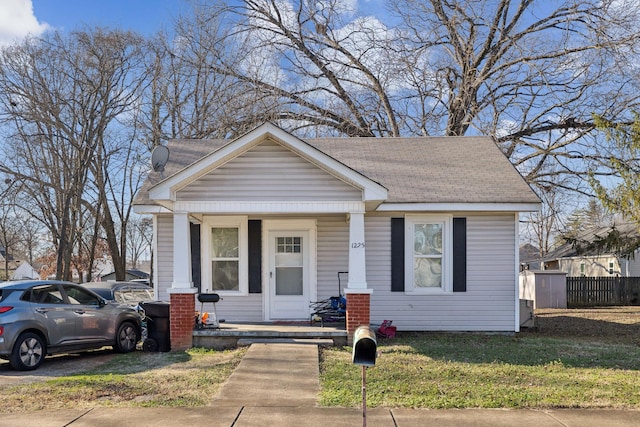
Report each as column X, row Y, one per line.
column 277, row 385
column 273, row 375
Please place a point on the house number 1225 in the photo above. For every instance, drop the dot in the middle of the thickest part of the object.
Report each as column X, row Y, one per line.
column 357, row 245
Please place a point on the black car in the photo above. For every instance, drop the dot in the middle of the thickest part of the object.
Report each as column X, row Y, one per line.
column 131, row 293
column 44, row 317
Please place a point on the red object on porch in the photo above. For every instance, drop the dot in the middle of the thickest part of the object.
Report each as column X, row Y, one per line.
column 386, row 330
column 183, row 307
column 358, row 312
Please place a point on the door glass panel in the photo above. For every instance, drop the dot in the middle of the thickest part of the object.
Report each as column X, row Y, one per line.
column 289, row 263
column 288, row 280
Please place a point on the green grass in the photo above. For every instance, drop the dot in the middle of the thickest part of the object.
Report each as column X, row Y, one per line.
column 486, row 371
column 576, row 359
column 140, row 379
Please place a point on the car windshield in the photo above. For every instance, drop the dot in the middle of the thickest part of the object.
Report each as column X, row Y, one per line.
column 133, row 296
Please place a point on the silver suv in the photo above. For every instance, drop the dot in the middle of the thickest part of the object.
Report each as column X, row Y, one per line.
column 43, row 317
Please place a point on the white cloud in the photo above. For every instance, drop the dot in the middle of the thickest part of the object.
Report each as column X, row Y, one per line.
column 18, row 21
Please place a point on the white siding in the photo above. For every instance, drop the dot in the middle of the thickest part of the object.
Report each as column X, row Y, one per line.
column 333, row 255
column 598, row 266
column 246, row 308
column 634, row 265
column 487, row 305
column 594, row 266
column 269, row 172
column 164, row 256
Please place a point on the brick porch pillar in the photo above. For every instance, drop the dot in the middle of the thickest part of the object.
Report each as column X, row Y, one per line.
column 358, row 295
column 358, row 310
column 183, row 309
column 182, row 293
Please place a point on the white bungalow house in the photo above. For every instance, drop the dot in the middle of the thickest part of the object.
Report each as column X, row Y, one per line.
column 427, row 229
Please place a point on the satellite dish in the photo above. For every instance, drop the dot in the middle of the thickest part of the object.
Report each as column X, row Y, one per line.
column 159, row 158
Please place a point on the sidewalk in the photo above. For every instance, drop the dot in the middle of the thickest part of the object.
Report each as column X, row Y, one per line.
column 277, row 385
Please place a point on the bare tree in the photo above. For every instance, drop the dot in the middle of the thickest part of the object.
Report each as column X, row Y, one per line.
column 139, row 239
column 63, row 98
column 530, row 73
column 10, row 229
column 30, row 244
column 186, row 96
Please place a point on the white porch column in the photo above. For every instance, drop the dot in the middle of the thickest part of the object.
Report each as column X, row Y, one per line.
column 181, row 252
column 357, row 259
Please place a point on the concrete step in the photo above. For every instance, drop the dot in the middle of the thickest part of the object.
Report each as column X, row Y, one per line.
column 317, row 341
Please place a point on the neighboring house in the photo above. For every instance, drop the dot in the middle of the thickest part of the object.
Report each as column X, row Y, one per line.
column 586, row 260
column 18, row 269
column 529, row 257
column 131, row 274
column 102, row 266
column 426, row 227
column 24, row 270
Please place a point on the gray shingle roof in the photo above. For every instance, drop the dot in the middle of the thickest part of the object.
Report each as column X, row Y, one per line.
column 413, row 170
column 568, row 250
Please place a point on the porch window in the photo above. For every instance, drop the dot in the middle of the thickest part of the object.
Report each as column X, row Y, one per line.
column 225, row 259
column 226, row 243
column 429, row 246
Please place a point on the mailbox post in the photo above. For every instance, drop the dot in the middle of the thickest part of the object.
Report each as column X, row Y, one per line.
column 365, row 348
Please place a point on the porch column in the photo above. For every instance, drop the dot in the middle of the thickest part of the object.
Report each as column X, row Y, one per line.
column 181, row 252
column 357, row 259
column 182, row 292
column 358, row 296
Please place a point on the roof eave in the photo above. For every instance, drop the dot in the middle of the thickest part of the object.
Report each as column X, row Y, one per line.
column 470, row 207
column 166, row 189
column 150, row 209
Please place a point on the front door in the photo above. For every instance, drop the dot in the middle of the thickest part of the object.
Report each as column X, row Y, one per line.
column 290, row 274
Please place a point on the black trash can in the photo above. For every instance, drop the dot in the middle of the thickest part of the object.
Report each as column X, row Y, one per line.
column 158, row 328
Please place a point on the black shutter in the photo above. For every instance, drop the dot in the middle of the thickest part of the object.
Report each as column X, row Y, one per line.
column 196, row 262
column 459, row 254
column 255, row 256
column 397, row 254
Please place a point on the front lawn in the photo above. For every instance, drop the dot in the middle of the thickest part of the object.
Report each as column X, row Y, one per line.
column 576, row 358
column 587, row 358
column 480, row 371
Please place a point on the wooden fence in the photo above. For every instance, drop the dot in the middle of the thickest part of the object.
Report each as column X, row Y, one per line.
column 599, row 291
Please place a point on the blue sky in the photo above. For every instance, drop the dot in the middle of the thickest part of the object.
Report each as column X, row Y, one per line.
column 21, row 17
column 145, row 16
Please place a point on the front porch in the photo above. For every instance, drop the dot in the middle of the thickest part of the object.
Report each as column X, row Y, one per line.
column 232, row 334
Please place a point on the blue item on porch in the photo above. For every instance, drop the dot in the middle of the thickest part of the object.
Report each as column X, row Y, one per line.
column 339, row 304
column 332, row 309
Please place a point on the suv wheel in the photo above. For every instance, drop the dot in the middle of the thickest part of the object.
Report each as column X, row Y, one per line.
column 28, row 352
column 127, row 337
